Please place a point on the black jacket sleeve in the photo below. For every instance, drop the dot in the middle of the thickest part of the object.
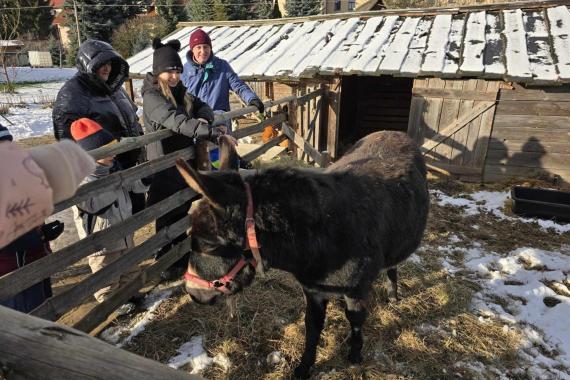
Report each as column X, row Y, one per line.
column 68, row 107
column 163, row 113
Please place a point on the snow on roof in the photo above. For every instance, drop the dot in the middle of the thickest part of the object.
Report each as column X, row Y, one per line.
column 524, row 44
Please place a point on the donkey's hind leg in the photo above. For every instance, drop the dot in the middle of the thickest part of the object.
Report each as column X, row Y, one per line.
column 393, row 277
column 356, row 315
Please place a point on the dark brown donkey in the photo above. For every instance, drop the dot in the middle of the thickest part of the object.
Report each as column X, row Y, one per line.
column 334, row 230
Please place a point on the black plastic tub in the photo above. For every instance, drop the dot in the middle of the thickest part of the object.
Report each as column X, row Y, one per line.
column 541, row 203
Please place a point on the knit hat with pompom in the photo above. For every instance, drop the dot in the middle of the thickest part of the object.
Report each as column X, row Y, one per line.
column 165, row 56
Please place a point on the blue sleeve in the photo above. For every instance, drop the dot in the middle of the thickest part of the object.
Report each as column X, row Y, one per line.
column 239, row 87
column 184, row 76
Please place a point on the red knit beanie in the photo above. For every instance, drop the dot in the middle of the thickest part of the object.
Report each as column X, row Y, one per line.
column 199, row 37
column 90, row 135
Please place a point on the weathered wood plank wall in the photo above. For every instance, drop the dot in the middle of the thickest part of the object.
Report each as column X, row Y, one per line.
column 531, row 134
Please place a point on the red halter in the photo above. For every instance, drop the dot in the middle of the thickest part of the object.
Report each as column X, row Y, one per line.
column 251, row 244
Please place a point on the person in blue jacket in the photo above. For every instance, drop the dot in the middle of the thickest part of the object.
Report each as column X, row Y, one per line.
column 211, row 78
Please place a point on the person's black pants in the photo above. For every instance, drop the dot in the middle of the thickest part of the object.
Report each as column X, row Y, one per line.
column 165, row 184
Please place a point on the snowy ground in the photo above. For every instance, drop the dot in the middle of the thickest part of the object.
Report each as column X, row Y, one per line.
column 29, row 109
column 526, row 290
column 37, row 74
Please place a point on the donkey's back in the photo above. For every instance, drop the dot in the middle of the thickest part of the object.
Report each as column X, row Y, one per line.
column 387, row 154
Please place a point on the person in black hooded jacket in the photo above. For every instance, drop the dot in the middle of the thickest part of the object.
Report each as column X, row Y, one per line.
column 96, row 92
column 167, row 105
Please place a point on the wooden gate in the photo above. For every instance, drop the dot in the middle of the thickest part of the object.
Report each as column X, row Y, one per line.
column 452, row 121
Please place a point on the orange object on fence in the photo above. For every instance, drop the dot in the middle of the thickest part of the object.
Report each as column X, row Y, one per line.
column 270, row 133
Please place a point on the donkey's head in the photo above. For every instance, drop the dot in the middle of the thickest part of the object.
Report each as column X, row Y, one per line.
column 218, row 262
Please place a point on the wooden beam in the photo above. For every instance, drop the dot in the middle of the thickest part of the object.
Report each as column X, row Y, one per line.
column 264, row 148
column 55, row 307
column 454, row 94
column 333, row 117
column 122, row 178
column 450, row 169
column 130, row 143
column 449, row 130
column 14, row 282
column 303, row 144
column 101, row 311
column 259, row 127
column 559, row 94
column 129, row 88
column 32, row 348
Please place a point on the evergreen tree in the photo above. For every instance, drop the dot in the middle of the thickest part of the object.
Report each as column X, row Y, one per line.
column 220, row 12
column 200, row 10
column 171, row 12
column 97, row 19
column 267, row 9
column 300, row 8
column 35, row 19
column 238, row 9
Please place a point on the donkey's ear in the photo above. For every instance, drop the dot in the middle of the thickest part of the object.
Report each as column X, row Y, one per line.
column 194, row 180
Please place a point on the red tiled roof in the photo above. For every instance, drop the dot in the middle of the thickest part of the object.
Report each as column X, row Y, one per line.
column 57, row 3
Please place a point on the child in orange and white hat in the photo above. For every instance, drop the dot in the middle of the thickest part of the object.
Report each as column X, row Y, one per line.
column 105, row 209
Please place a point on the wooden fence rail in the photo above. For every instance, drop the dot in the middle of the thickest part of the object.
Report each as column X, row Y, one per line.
column 55, row 307
column 32, row 348
column 100, row 313
column 14, row 282
column 124, row 178
column 130, row 143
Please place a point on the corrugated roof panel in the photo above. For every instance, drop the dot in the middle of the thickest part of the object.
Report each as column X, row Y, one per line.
column 438, row 40
column 398, row 49
column 474, row 45
column 530, row 45
column 516, row 53
column 541, row 61
column 413, row 61
column 559, row 18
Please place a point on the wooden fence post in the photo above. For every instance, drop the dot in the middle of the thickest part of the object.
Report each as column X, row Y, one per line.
column 333, row 117
column 129, row 88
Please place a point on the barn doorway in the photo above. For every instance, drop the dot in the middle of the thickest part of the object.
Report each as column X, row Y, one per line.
column 370, row 104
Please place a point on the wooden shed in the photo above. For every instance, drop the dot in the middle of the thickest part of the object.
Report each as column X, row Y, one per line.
column 483, row 89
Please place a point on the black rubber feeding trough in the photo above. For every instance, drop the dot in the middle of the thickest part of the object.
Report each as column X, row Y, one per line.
column 541, row 203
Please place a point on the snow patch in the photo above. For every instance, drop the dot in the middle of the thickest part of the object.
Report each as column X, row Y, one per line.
column 37, row 74
column 193, row 353
column 492, row 202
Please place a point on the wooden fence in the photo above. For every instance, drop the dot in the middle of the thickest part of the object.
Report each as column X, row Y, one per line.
column 63, row 304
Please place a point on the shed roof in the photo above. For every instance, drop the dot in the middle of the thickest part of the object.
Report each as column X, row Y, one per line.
column 524, row 42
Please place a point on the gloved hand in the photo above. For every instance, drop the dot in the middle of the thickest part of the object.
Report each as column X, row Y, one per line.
column 51, row 231
column 206, row 132
column 216, row 132
column 147, row 181
column 257, row 103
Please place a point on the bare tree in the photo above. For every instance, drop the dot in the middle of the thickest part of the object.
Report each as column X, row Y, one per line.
column 10, row 20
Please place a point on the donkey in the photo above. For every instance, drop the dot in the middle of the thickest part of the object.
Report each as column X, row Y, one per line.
column 334, row 230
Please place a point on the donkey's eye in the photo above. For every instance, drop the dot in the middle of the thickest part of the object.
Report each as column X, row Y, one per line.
column 204, row 245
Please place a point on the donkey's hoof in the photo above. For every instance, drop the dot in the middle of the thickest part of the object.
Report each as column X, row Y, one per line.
column 355, row 357
column 301, row 372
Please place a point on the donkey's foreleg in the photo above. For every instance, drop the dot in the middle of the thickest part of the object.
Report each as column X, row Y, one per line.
column 356, row 315
column 314, row 322
column 393, row 277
